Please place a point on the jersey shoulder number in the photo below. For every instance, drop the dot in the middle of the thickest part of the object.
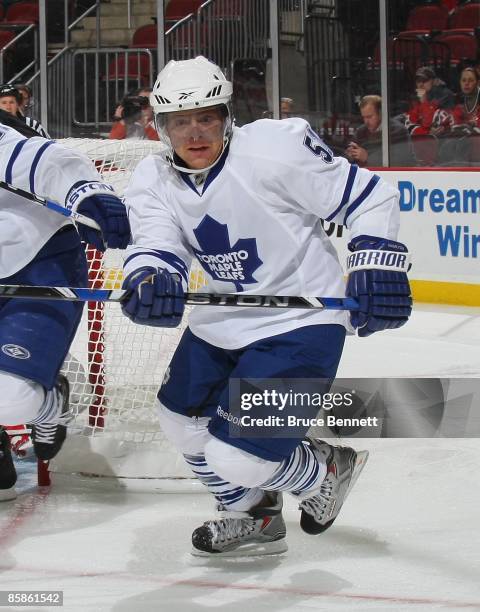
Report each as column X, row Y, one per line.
column 315, row 144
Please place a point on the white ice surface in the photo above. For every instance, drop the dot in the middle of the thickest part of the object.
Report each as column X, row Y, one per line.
column 408, row 537
column 438, row 341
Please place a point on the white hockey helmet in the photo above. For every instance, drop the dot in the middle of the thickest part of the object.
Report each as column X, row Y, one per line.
column 186, row 85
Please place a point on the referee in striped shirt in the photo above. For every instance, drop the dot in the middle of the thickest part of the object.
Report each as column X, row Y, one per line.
column 11, row 101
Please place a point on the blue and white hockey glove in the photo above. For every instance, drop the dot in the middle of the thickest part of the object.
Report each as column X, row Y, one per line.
column 156, row 298
column 377, row 278
column 95, row 201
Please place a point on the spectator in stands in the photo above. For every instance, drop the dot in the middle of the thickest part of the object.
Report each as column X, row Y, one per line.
column 465, row 146
column 366, row 147
column 466, row 114
column 133, row 118
column 286, row 108
column 430, row 112
column 27, row 98
column 429, row 118
column 11, row 100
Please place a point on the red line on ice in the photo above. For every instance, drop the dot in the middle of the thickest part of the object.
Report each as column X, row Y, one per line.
column 205, row 584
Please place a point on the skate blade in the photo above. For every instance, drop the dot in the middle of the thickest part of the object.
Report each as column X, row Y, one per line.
column 361, row 460
column 8, row 494
column 256, row 549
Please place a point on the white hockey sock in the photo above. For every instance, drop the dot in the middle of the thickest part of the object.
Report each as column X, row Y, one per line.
column 300, row 473
column 232, row 497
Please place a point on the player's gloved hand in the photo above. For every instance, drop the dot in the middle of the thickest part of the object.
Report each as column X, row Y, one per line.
column 98, row 201
column 377, row 278
column 156, row 298
column 111, row 215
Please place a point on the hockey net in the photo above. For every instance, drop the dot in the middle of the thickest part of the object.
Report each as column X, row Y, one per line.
column 115, row 367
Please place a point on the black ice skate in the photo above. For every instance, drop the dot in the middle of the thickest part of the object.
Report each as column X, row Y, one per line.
column 260, row 531
column 343, row 468
column 8, row 474
column 48, row 437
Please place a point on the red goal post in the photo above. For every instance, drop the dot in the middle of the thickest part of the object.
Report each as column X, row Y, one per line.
column 116, row 367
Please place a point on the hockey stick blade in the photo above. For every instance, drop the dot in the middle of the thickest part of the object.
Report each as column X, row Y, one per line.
column 51, row 205
column 76, row 294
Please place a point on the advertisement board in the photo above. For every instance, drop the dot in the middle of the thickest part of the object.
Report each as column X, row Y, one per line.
column 440, row 224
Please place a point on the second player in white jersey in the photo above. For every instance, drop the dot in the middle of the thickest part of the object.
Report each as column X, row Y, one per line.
column 45, row 168
column 248, row 204
column 41, row 247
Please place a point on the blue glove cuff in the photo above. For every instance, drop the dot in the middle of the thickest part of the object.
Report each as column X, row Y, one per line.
column 364, row 242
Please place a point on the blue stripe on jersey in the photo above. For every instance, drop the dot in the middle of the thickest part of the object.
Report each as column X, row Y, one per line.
column 11, row 161
column 212, row 173
column 352, row 173
column 215, row 171
column 188, row 182
column 36, row 159
column 166, row 257
column 362, row 197
column 175, row 262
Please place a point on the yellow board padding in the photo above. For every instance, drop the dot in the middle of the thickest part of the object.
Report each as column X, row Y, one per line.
column 197, row 280
column 113, row 278
column 460, row 294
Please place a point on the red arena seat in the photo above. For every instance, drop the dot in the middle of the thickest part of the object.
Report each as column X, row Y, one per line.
column 135, row 68
column 145, row 37
column 178, row 9
column 462, row 46
column 466, row 16
column 5, row 37
column 22, row 12
column 427, row 17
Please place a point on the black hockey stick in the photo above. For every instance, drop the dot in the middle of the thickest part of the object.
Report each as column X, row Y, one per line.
column 51, row 205
column 74, row 294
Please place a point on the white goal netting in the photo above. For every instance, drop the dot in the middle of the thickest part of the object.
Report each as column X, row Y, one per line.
column 115, row 367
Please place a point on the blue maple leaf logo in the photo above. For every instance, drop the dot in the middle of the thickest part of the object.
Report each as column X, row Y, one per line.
column 224, row 262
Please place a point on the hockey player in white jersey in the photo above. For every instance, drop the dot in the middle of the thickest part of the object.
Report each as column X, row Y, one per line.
column 41, row 247
column 247, row 203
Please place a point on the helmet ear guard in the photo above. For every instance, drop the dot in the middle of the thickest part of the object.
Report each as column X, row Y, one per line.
column 190, row 85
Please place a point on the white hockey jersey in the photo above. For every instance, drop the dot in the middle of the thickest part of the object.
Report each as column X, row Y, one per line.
column 47, row 169
column 255, row 227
